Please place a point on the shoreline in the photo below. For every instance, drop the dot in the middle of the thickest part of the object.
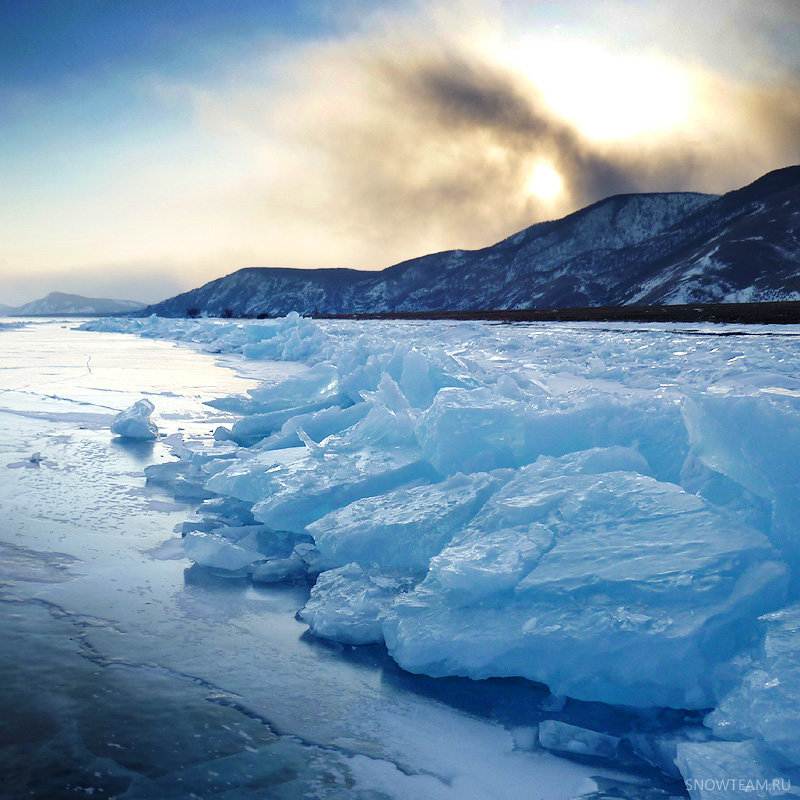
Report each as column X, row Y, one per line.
column 779, row 312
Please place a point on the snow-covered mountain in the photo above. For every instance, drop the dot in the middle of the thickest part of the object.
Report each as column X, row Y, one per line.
column 667, row 248
column 58, row 303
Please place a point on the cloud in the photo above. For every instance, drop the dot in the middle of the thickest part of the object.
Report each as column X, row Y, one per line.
column 756, row 42
column 389, row 151
column 402, row 133
column 404, row 138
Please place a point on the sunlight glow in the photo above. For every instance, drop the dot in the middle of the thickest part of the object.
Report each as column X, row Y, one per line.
column 545, row 183
column 608, row 96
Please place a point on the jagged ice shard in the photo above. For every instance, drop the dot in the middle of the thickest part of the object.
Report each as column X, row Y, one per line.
column 135, row 422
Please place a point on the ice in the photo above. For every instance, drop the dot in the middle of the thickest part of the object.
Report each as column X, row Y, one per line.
column 659, row 751
column 182, row 478
column 479, row 429
column 764, row 703
column 268, row 556
column 292, row 488
column 561, row 737
column 659, row 746
column 753, row 442
column 401, row 529
column 470, row 430
column 479, row 565
column 251, row 429
column 279, row 569
column 317, row 425
column 135, row 422
column 604, row 509
column 733, row 771
column 347, row 604
column 319, row 383
column 219, row 512
column 641, row 588
column 212, row 550
column 294, row 400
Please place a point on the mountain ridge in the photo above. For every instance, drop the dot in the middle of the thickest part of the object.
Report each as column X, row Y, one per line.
column 62, row 303
column 647, row 249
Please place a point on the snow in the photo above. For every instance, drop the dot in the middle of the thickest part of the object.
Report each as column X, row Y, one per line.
column 609, row 510
column 135, row 423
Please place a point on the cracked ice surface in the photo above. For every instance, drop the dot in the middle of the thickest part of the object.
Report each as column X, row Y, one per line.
column 609, row 510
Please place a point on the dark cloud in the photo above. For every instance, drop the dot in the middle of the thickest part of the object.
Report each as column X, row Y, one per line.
column 438, row 146
column 456, row 95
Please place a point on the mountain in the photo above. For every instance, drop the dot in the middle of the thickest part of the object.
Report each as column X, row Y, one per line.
column 275, row 291
column 745, row 247
column 57, row 304
column 649, row 249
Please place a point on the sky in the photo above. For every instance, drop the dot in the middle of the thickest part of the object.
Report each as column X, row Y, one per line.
column 148, row 146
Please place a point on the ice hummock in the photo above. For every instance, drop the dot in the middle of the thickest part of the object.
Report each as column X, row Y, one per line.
column 609, row 510
column 641, row 588
column 135, row 423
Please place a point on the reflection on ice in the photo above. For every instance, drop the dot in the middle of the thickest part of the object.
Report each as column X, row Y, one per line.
column 140, row 450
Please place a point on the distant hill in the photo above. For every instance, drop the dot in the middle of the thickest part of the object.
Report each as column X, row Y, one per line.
column 644, row 249
column 58, row 304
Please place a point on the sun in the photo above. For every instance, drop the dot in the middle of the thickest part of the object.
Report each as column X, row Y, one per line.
column 545, row 183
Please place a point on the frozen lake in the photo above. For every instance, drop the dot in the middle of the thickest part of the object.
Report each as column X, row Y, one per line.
column 126, row 671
